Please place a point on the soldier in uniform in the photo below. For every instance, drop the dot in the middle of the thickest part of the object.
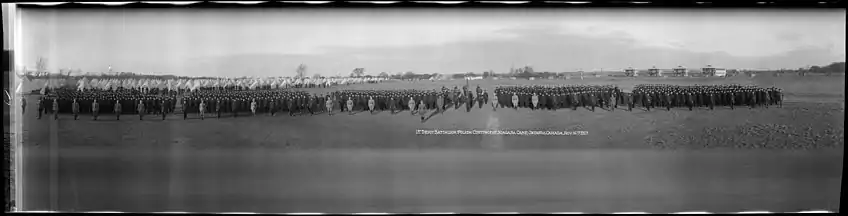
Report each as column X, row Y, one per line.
column 329, row 105
column 712, row 99
column 495, row 96
column 515, row 100
column 469, row 102
column 234, row 107
column 140, row 110
column 690, row 100
column 392, row 104
column 253, row 106
column 75, row 108
column 535, row 101
column 117, row 110
column 732, row 98
column 310, row 104
column 411, row 105
column 613, row 102
column 185, row 108
column 95, row 109
column 202, row 110
column 440, row 103
column 40, row 107
column 350, row 105
column 648, row 103
column 55, row 109
column 371, row 104
column 593, row 99
column 163, row 109
column 667, row 101
column 218, row 108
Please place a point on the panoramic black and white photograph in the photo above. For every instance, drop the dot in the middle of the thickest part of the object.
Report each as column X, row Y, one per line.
column 353, row 110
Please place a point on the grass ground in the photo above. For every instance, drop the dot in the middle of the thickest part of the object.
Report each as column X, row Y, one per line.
column 776, row 159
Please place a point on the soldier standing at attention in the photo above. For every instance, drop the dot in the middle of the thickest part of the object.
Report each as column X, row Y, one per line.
column 234, row 107
column 272, row 107
column 55, row 109
column 371, row 104
column 290, row 105
column 140, row 110
column 95, row 109
column 202, row 110
column 690, row 100
column 185, row 109
column 411, row 105
column 40, row 107
column 349, row 105
column 329, row 105
column 117, row 110
column 75, row 108
column 648, row 101
column 163, row 109
column 534, row 99
column 592, row 100
column 218, row 108
column 712, row 100
column 667, row 101
column 515, row 100
column 393, row 104
column 732, row 99
column 613, row 102
column 495, row 96
column 253, row 107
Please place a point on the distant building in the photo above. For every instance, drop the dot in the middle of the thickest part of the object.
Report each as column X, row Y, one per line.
column 630, row 72
column 713, row 71
column 680, row 71
column 654, row 71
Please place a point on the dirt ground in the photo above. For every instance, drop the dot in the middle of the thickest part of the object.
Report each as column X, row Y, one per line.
column 776, row 159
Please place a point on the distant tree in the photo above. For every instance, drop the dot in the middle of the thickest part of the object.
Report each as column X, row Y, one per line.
column 316, row 76
column 408, row 75
column 301, row 71
column 397, row 75
column 486, row 74
column 357, row 72
column 384, row 74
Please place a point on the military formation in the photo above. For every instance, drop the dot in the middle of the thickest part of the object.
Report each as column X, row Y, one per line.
column 646, row 96
column 730, row 95
column 115, row 102
column 232, row 103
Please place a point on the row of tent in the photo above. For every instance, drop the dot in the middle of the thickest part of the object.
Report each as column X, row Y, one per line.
column 29, row 85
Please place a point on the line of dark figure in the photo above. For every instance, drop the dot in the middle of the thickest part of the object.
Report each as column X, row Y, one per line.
column 647, row 96
column 218, row 101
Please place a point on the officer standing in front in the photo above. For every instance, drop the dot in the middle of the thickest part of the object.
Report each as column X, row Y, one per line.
column 95, row 109
column 75, row 108
column 118, row 110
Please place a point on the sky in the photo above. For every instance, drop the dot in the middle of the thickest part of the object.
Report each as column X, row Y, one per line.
column 273, row 42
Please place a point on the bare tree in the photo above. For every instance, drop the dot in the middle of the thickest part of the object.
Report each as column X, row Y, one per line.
column 301, row 71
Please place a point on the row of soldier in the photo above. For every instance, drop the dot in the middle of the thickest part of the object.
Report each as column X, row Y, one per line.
column 730, row 95
column 297, row 102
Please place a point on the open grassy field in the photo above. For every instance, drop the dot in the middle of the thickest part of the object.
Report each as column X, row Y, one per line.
column 776, row 159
